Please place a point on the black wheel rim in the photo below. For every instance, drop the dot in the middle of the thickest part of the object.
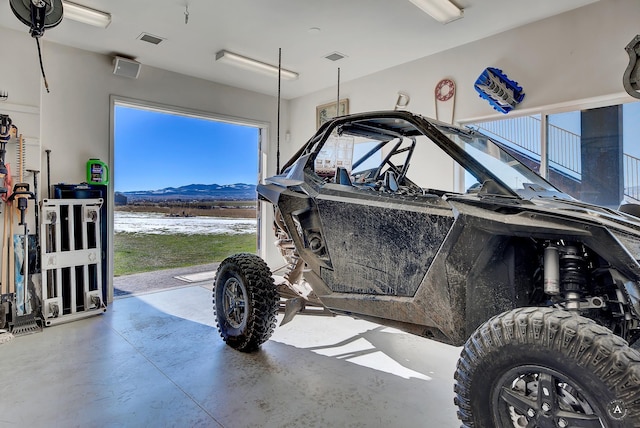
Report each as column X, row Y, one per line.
column 534, row 396
column 234, row 303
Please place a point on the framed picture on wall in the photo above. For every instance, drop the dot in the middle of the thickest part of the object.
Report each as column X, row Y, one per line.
column 327, row 111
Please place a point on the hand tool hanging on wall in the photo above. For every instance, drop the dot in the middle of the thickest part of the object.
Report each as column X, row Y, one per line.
column 34, row 261
column 26, row 312
column 4, row 285
column 5, row 296
column 7, row 232
column 21, row 191
column 5, row 251
column 6, row 128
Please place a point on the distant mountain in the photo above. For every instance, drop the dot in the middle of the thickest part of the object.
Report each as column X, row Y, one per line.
column 238, row 191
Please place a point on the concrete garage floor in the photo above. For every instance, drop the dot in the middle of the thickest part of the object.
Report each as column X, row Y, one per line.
column 155, row 359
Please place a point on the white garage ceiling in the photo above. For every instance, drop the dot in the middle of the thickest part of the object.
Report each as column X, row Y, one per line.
column 373, row 34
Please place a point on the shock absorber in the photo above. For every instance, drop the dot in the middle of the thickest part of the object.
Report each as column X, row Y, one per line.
column 573, row 275
column 565, row 272
column 551, row 270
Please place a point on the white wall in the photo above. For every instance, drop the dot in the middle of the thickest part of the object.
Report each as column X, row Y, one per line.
column 20, row 73
column 577, row 55
column 19, row 77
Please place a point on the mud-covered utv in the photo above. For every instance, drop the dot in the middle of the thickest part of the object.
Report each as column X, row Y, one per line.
column 439, row 231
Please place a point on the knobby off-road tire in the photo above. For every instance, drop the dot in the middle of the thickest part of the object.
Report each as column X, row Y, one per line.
column 245, row 301
column 543, row 367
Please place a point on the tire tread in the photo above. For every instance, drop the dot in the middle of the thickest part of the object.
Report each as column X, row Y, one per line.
column 574, row 337
column 262, row 293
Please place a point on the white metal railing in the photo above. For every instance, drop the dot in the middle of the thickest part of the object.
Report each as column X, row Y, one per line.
column 565, row 149
column 523, row 133
column 631, row 177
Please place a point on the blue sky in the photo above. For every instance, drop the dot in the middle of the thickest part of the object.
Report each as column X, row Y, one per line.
column 155, row 150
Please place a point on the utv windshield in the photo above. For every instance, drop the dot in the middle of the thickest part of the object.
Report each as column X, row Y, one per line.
column 505, row 167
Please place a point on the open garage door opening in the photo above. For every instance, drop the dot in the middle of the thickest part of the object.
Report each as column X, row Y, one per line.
column 184, row 192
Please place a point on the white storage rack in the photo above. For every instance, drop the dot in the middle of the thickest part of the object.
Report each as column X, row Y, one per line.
column 71, row 259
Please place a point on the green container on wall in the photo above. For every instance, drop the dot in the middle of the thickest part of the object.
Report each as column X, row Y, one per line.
column 97, row 172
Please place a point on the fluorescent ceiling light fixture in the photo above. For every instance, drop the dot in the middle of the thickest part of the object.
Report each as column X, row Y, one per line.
column 254, row 65
column 440, row 10
column 86, row 15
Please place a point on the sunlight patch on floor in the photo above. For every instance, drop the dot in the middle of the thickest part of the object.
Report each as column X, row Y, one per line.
column 343, row 338
column 363, row 353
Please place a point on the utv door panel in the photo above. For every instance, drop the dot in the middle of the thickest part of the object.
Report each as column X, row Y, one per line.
column 380, row 244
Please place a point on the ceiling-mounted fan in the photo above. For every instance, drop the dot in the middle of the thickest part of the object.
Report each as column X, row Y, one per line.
column 37, row 14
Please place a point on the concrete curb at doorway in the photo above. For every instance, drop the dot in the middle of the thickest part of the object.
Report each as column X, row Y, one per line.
column 146, row 282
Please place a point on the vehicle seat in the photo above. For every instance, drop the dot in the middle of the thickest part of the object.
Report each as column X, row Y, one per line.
column 390, row 182
column 342, row 176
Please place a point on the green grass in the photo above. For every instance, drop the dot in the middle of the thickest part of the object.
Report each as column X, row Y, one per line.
column 136, row 252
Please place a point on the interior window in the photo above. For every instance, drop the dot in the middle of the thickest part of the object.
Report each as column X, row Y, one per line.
column 592, row 153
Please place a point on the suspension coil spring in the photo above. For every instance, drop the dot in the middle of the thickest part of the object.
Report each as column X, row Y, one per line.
column 294, row 268
column 573, row 267
column 573, row 276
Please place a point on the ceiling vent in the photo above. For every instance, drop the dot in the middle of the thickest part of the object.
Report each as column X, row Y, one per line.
column 336, row 56
column 149, row 38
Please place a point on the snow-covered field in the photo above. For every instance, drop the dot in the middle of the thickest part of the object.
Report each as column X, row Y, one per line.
column 155, row 223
